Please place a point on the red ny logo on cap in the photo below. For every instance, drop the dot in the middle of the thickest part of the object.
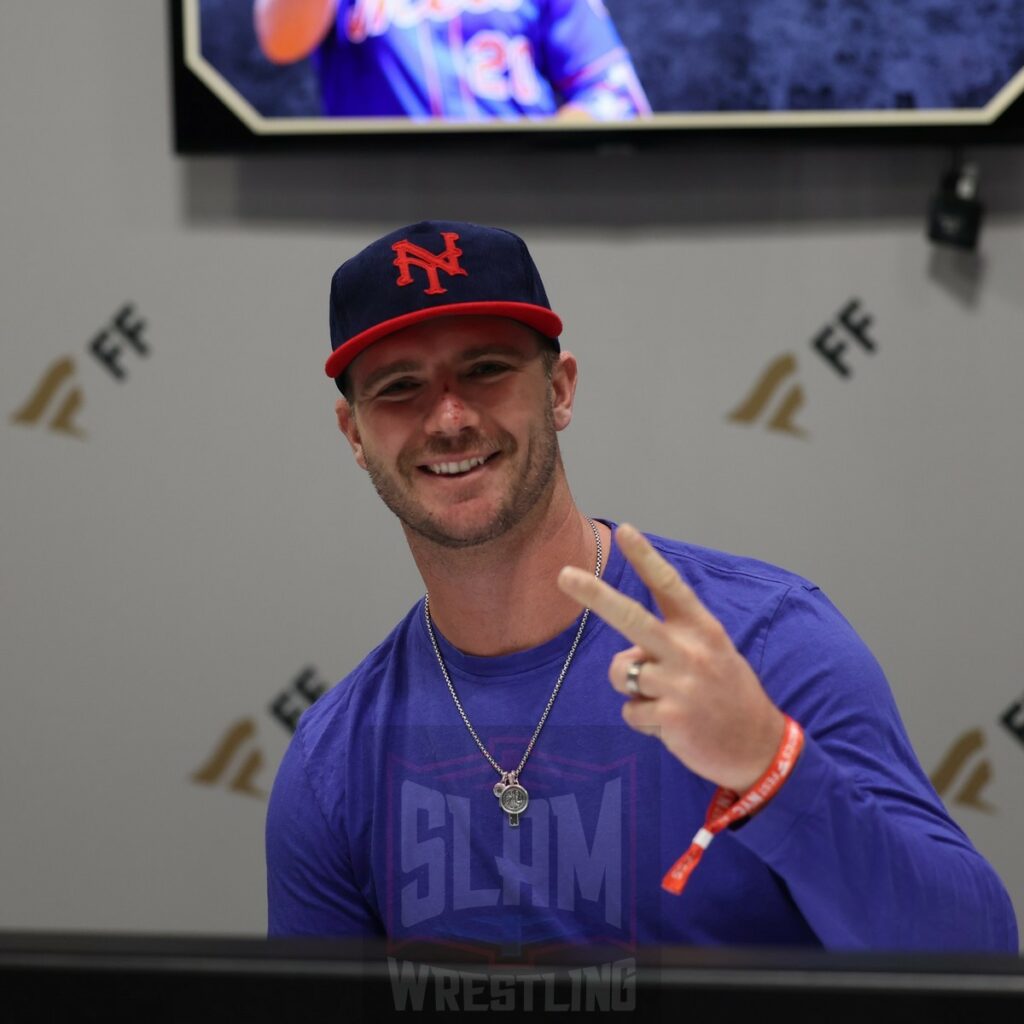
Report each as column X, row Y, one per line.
column 408, row 255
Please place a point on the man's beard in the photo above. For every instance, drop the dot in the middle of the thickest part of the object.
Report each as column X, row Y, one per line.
column 527, row 492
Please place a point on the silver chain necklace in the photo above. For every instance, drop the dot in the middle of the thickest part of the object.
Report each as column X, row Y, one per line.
column 512, row 797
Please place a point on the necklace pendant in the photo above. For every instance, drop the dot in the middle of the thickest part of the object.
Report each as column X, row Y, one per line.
column 513, row 800
column 507, row 778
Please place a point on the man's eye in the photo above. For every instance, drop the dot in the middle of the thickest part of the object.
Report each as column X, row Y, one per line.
column 487, row 369
column 397, row 387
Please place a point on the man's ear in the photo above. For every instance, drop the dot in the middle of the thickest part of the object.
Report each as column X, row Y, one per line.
column 347, row 425
column 564, row 375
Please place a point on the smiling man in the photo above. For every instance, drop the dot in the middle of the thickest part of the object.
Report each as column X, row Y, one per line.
column 510, row 769
column 468, row 469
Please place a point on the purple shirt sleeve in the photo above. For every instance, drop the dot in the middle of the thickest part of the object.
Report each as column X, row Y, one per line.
column 857, row 833
column 311, row 888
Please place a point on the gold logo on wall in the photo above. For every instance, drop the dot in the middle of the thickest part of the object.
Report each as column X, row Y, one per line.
column 46, row 396
column 229, row 764
column 756, row 403
column 236, row 760
column 953, row 768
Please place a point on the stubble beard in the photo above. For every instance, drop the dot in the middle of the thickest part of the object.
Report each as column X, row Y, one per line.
column 528, row 492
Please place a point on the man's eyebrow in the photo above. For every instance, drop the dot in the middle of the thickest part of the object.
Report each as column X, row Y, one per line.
column 494, row 349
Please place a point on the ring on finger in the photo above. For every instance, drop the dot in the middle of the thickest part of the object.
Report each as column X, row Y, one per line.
column 633, row 678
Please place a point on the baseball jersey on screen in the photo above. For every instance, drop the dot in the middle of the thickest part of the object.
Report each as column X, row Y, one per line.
column 471, row 60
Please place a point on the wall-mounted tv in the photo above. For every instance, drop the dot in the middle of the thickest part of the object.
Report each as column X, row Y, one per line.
column 255, row 74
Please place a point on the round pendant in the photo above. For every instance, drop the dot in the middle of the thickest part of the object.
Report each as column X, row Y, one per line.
column 513, row 799
column 499, row 788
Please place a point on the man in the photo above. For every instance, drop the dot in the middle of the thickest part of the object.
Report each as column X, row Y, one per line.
column 473, row 779
column 463, row 60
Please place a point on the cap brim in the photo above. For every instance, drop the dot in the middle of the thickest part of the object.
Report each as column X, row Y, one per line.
column 539, row 318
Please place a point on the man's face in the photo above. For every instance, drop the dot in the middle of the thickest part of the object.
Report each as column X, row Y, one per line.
column 455, row 420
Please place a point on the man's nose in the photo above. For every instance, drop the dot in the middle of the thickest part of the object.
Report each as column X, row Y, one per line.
column 450, row 414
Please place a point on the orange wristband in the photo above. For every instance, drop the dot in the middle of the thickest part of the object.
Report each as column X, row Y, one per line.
column 727, row 807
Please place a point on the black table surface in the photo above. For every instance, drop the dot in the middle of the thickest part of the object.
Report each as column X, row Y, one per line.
column 113, row 977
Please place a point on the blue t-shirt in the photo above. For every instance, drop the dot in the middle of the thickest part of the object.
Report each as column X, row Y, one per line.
column 469, row 60
column 382, row 820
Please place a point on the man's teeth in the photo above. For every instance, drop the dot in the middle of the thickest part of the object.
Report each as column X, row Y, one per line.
column 450, row 468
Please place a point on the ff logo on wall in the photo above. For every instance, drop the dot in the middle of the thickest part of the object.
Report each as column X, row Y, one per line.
column 962, row 775
column 777, row 396
column 237, row 760
column 57, row 398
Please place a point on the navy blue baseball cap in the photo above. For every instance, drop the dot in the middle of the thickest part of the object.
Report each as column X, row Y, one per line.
column 432, row 269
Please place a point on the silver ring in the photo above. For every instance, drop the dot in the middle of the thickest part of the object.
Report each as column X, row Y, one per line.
column 633, row 679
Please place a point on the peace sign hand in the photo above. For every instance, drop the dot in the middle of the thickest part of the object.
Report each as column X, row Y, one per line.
column 697, row 692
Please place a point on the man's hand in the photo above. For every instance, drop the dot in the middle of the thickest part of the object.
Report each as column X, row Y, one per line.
column 699, row 695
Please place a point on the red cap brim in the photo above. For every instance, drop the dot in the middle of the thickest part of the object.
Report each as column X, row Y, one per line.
column 538, row 317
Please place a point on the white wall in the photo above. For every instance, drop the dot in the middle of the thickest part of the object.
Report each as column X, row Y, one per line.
column 170, row 573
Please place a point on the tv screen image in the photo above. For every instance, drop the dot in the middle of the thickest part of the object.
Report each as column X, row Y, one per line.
column 441, row 66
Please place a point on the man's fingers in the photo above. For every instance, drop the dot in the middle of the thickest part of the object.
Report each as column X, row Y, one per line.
column 651, row 679
column 643, row 716
column 676, row 600
column 629, row 617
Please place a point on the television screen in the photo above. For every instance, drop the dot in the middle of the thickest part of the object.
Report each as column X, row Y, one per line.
column 249, row 70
